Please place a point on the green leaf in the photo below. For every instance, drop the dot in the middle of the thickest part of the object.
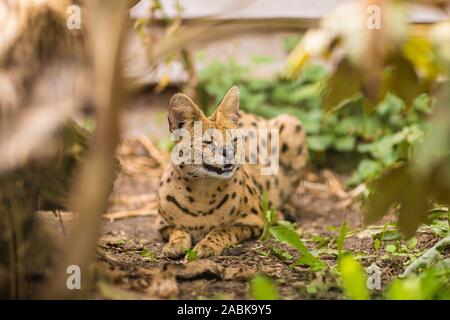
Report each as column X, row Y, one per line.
column 281, row 253
column 320, row 142
column 342, row 86
column 376, row 244
column 387, row 235
column 423, row 103
column 353, row 277
column 120, row 243
column 412, row 243
column 290, row 237
column 305, row 92
column 367, row 169
column 405, row 289
column 345, row 144
column 391, row 248
column 263, row 288
column 390, row 105
column 432, row 283
column 145, row 253
column 191, row 254
column 403, row 80
column 311, row 289
column 310, row 260
column 286, row 224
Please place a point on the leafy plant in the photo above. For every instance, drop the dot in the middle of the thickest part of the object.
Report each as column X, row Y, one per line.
column 191, row 255
column 290, row 237
column 281, row 253
column 148, row 255
column 120, row 243
column 391, row 248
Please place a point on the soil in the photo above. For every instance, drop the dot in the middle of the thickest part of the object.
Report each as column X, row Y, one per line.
column 132, row 266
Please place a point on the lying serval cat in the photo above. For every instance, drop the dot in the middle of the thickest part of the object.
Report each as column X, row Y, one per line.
column 219, row 204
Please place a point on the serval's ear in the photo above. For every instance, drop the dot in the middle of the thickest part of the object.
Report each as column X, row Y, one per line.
column 183, row 112
column 228, row 110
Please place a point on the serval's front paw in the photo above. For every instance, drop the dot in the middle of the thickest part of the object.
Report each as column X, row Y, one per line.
column 207, row 249
column 174, row 250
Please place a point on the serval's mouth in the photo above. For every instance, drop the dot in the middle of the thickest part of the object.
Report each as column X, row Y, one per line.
column 219, row 170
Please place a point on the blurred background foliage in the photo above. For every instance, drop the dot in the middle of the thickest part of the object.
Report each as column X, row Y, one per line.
column 373, row 140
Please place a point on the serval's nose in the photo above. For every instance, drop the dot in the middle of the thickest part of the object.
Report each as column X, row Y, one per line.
column 228, row 153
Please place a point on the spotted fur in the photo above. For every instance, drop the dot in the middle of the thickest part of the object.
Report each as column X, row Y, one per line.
column 214, row 211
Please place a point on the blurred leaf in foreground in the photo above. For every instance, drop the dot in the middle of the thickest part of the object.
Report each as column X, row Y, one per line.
column 366, row 58
column 353, row 277
column 433, row 283
column 263, row 288
column 398, row 187
column 342, row 86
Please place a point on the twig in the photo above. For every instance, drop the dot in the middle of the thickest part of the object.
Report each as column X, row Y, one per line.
column 357, row 191
column 152, row 150
column 334, row 185
column 315, row 186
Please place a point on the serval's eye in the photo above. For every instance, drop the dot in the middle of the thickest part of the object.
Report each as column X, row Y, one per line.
column 207, row 142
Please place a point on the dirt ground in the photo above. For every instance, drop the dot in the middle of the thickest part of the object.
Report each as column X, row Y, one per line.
column 129, row 250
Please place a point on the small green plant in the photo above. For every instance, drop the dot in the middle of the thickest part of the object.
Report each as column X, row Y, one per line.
column 391, row 248
column 148, row 254
column 120, row 243
column 191, row 254
column 289, row 236
column 281, row 253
